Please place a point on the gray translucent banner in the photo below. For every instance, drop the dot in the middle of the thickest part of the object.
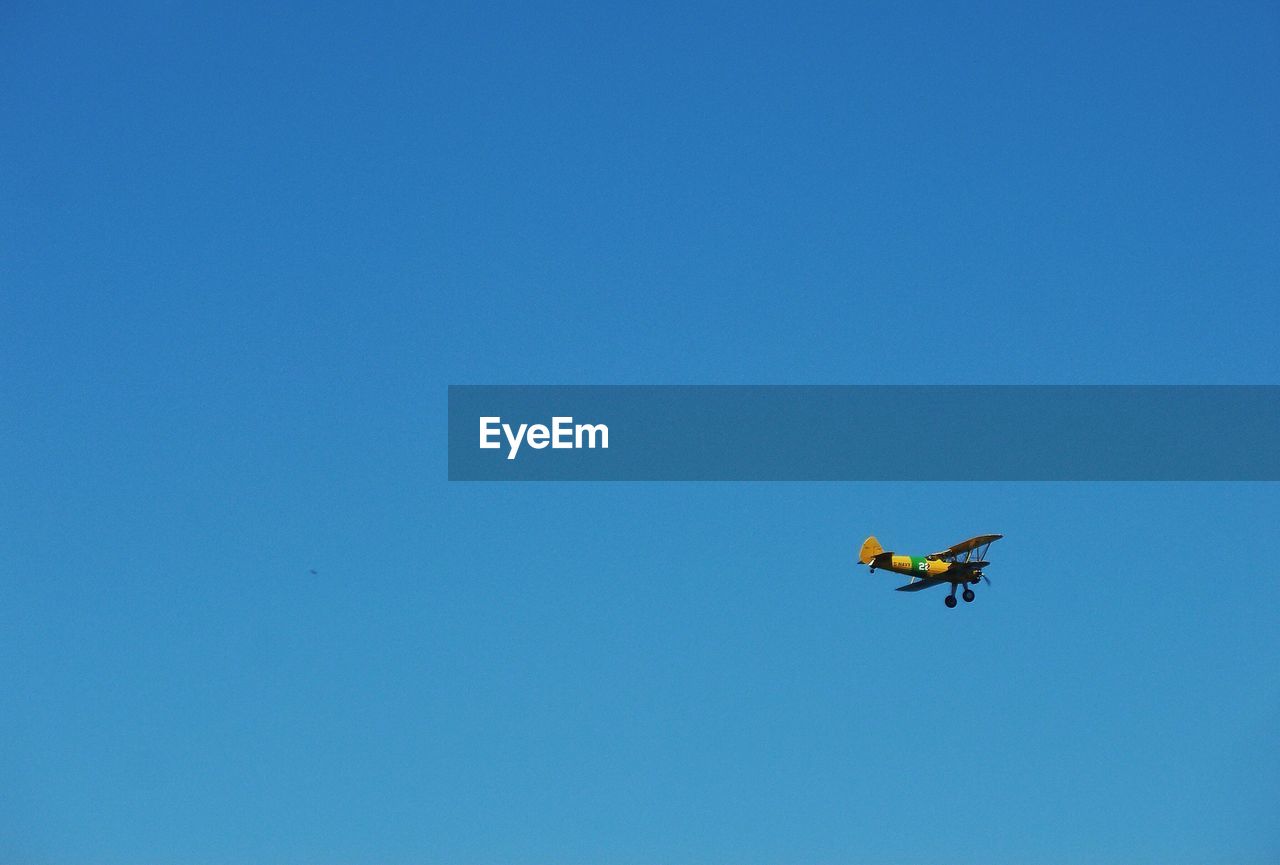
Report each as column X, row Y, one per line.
column 844, row 433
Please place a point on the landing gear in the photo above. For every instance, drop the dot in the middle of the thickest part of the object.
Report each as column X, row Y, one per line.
column 950, row 601
column 968, row 595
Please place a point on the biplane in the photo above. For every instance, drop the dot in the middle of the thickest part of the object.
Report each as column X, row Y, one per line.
column 960, row 565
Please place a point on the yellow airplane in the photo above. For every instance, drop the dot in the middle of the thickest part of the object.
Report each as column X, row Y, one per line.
column 960, row 565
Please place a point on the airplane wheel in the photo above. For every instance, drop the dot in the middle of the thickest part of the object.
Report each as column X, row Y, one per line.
column 951, row 600
column 968, row 595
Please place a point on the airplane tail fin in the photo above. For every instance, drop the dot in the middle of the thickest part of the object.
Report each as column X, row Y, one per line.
column 870, row 549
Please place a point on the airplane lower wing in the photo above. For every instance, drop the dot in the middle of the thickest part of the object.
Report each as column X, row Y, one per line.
column 918, row 585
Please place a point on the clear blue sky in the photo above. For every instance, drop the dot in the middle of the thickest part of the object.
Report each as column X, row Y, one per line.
column 243, row 254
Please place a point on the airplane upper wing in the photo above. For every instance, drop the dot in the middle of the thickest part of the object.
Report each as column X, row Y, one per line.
column 918, row 585
column 966, row 546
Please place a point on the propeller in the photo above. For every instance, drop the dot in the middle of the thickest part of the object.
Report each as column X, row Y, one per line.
column 984, row 578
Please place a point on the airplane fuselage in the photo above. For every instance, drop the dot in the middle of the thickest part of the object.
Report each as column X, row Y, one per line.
column 916, row 566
